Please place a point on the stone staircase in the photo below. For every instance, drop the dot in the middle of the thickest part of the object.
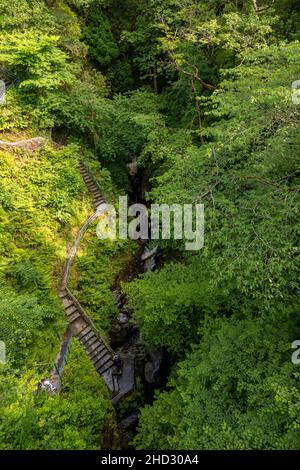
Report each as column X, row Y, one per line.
column 119, row 382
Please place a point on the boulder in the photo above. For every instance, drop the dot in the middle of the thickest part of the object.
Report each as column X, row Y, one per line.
column 30, row 145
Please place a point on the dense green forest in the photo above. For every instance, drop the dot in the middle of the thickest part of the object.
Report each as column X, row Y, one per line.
column 199, row 94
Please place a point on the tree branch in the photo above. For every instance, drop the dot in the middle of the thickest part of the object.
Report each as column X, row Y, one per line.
column 261, row 9
column 193, row 75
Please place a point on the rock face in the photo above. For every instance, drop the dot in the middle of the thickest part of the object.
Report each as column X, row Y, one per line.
column 132, row 168
column 31, row 145
column 148, row 259
column 121, row 327
column 127, row 427
column 48, row 385
column 121, row 330
column 152, row 367
column 2, row 92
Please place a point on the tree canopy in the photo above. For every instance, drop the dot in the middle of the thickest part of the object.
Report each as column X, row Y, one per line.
column 199, row 94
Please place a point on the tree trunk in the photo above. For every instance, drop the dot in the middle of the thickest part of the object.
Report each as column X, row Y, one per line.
column 155, row 88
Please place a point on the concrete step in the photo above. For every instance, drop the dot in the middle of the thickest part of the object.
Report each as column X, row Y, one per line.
column 126, row 381
column 94, row 191
column 108, row 378
column 115, row 381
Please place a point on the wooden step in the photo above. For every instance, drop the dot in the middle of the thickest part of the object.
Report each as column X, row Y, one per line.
column 62, row 294
column 104, row 371
column 74, row 316
column 99, row 200
column 84, row 332
column 98, row 204
column 87, row 336
column 107, row 365
column 100, row 355
column 89, row 342
column 99, row 351
column 92, row 186
column 71, row 309
column 104, row 361
column 67, row 302
column 90, row 349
